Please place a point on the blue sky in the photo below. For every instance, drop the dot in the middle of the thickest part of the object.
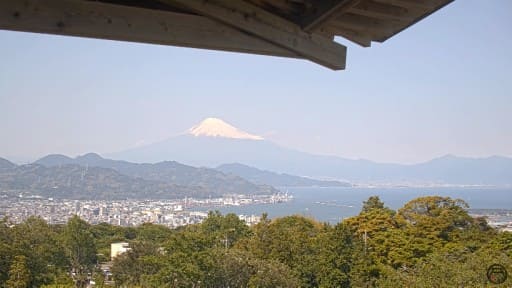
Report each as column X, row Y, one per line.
column 443, row 86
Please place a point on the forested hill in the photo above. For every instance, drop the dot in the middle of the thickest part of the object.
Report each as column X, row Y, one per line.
column 75, row 180
column 171, row 172
column 276, row 179
column 429, row 242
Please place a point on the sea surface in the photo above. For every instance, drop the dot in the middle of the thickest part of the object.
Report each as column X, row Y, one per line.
column 334, row 204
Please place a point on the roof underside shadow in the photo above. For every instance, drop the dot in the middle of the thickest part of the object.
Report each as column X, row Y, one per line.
column 288, row 28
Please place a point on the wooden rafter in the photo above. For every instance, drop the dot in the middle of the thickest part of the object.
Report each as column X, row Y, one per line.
column 324, row 11
column 428, row 6
column 357, row 37
column 303, row 29
column 116, row 22
column 365, row 25
column 382, row 11
column 417, row 4
column 269, row 27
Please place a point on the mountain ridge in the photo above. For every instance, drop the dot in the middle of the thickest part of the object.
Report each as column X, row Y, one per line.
column 90, row 176
column 266, row 155
column 71, row 181
column 171, row 172
column 6, row 164
column 259, row 176
column 213, row 142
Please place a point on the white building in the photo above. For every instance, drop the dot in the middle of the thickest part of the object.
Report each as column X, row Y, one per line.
column 118, row 248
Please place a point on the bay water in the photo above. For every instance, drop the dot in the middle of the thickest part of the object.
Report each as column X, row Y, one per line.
column 334, row 204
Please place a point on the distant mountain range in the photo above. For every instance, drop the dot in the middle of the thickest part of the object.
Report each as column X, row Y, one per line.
column 258, row 176
column 93, row 177
column 6, row 164
column 213, row 143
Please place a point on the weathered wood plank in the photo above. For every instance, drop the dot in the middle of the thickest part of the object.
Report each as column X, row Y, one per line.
column 417, row 4
column 366, row 25
column 269, row 27
column 116, row 22
column 383, row 11
column 356, row 37
column 324, row 11
column 423, row 8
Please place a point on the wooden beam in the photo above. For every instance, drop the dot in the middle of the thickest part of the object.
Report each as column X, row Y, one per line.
column 351, row 35
column 325, row 10
column 269, row 27
column 117, row 22
column 365, row 25
column 415, row 4
column 382, row 11
column 430, row 7
column 356, row 37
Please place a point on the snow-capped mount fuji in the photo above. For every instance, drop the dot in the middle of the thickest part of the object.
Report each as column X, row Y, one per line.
column 213, row 142
column 214, row 127
column 210, row 143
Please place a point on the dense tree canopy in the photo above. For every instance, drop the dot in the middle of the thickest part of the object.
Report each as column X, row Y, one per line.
column 19, row 276
column 429, row 242
column 80, row 248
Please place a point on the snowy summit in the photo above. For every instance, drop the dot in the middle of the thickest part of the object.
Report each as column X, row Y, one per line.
column 214, row 127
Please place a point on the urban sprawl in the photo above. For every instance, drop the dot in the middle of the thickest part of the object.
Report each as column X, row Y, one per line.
column 171, row 213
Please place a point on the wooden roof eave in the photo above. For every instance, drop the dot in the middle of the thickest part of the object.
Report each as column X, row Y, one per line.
column 289, row 28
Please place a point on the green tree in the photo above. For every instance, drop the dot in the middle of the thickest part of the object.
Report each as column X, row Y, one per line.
column 231, row 268
column 223, row 231
column 185, row 270
column 336, row 247
column 373, row 202
column 157, row 234
column 6, row 253
column 461, row 268
column 432, row 222
column 80, row 248
column 291, row 241
column 502, row 242
column 133, row 267
column 60, row 280
column 272, row 273
column 436, row 213
column 105, row 234
column 194, row 254
column 19, row 275
column 38, row 242
column 378, row 240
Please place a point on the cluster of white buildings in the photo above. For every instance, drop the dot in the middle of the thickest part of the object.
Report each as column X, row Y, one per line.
column 500, row 219
column 171, row 213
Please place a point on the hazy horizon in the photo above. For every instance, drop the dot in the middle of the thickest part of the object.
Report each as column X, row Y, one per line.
column 442, row 86
column 106, row 155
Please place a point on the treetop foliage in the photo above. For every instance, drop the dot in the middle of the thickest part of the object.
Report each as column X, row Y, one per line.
column 429, row 242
